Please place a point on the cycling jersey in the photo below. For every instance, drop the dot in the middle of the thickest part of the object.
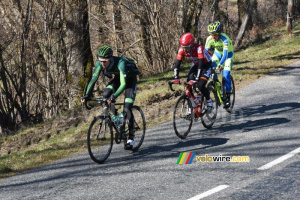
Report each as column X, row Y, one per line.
column 197, row 56
column 223, row 47
column 122, row 68
column 197, row 52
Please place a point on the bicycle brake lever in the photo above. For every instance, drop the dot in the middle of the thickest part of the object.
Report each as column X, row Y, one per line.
column 170, row 86
column 86, row 106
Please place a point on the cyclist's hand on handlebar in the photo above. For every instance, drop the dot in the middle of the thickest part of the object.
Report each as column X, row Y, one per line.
column 219, row 68
column 176, row 81
column 112, row 99
column 192, row 82
column 82, row 99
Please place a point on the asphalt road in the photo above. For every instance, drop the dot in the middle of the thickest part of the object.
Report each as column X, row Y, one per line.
column 264, row 126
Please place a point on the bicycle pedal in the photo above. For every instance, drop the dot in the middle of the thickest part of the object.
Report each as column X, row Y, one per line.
column 128, row 147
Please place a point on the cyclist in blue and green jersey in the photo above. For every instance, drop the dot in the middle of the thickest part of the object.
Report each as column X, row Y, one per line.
column 125, row 78
column 223, row 54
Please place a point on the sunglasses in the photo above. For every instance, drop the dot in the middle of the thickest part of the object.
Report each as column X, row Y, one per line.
column 185, row 47
column 103, row 61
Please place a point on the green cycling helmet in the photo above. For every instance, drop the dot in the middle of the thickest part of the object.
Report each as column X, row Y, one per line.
column 214, row 27
column 105, row 52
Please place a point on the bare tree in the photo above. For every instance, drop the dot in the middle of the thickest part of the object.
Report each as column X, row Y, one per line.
column 244, row 24
column 289, row 22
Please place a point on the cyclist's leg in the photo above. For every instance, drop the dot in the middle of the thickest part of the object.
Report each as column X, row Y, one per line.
column 192, row 73
column 130, row 93
column 110, row 89
column 202, row 82
column 226, row 73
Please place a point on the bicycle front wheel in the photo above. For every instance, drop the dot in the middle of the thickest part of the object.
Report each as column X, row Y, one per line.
column 183, row 117
column 100, row 139
column 208, row 117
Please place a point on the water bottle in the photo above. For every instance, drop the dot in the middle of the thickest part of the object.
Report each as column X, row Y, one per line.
column 198, row 99
column 115, row 118
column 121, row 118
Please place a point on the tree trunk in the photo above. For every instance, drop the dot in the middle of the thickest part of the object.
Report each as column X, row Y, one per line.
column 244, row 24
column 118, row 29
column 289, row 22
column 216, row 11
column 190, row 10
column 78, row 45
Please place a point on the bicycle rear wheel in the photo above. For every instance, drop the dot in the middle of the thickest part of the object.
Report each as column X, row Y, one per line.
column 139, row 127
column 232, row 95
column 100, row 139
column 208, row 117
column 183, row 116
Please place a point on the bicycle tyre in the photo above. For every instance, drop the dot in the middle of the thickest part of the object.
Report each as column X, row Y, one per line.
column 183, row 128
column 232, row 95
column 100, row 139
column 208, row 118
column 139, row 127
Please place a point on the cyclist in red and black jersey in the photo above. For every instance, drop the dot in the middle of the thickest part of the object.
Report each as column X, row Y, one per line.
column 201, row 64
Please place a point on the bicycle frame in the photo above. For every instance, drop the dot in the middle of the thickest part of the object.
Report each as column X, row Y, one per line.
column 106, row 113
column 217, row 84
column 188, row 92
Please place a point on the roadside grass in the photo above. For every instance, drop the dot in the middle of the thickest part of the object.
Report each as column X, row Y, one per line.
column 277, row 51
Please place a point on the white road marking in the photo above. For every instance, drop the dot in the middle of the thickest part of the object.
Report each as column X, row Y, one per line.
column 209, row 192
column 280, row 159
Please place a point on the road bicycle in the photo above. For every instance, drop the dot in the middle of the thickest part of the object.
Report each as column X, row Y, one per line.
column 101, row 136
column 189, row 108
column 217, row 85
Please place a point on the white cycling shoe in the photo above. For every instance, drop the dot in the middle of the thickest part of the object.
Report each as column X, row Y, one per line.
column 209, row 104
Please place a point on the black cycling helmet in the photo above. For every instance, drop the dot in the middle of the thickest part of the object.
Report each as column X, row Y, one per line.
column 105, row 52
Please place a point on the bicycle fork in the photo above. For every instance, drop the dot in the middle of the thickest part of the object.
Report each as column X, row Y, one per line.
column 99, row 131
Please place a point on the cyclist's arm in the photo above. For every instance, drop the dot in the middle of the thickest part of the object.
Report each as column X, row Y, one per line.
column 200, row 68
column 209, row 43
column 178, row 63
column 225, row 49
column 176, row 69
column 123, row 77
column 95, row 77
column 200, row 51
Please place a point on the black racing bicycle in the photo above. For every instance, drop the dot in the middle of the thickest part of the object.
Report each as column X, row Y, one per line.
column 101, row 136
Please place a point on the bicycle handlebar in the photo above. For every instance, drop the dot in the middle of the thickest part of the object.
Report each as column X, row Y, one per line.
column 181, row 83
column 99, row 100
column 170, row 86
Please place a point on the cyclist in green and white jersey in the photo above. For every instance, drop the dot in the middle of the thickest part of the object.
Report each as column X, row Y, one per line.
column 223, row 54
column 125, row 78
